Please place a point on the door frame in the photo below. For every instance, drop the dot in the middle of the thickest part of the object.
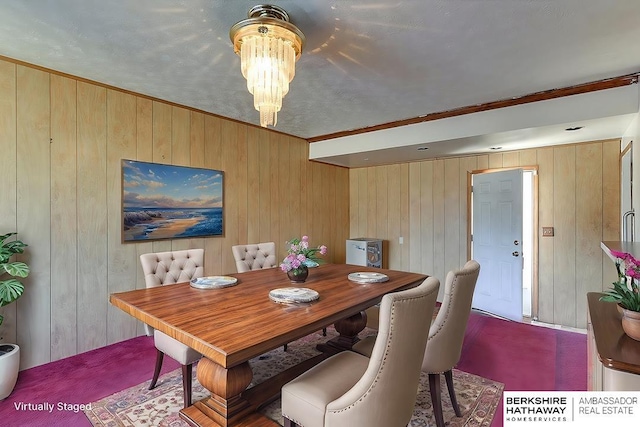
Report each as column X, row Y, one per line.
column 625, row 210
column 536, row 233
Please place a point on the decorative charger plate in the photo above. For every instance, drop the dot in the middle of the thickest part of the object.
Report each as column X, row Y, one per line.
column 289, row 295
column 368, row 277
column 213, row 282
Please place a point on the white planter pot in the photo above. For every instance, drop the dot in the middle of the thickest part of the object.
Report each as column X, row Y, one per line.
column 9, row 367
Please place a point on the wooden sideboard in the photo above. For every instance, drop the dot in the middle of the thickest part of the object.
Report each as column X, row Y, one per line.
column 613, row 357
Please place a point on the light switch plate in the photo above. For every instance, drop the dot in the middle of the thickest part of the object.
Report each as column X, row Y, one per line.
column 547, row 231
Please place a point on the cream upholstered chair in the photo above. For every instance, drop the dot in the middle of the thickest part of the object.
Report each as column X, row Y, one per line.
column 164, row 268
column 446, row 335
column 254, row 256
column 349, row 389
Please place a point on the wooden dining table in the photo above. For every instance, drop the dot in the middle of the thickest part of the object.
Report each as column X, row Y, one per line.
column 232, row 325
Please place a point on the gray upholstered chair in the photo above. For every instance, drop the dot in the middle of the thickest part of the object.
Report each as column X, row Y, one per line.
column 349, row 389
column 254, row 256
column 164, row 268
column 446, row 335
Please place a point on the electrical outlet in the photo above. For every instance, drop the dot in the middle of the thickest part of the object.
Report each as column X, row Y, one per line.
column 547, row 231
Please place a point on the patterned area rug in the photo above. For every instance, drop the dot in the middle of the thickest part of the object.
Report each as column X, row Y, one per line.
column 478, row 397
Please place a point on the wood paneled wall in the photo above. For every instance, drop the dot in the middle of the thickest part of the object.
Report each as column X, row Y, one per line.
column 62, row 141
column 425, row 203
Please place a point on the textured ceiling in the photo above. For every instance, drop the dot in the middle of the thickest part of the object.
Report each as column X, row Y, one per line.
column 365, row 62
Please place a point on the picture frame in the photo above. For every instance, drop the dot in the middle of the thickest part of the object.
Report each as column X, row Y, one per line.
column 161, row 201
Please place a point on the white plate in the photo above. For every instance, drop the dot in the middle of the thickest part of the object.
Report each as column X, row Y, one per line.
column 368, row 277
column 288, row 295
column 213, row 282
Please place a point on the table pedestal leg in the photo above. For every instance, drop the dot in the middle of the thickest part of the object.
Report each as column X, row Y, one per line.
column 225, row 405
column 348, row 329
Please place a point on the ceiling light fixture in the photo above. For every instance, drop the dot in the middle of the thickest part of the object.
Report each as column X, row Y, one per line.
column 269, row 46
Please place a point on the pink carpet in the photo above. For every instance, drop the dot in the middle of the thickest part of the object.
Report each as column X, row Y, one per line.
column 521, row 356
column 80, row 379
column 524, row 357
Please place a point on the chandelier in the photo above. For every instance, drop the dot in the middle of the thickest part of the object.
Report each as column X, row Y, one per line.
column 269, row 46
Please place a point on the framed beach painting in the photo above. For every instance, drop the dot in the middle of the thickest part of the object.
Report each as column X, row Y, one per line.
column 170, row 202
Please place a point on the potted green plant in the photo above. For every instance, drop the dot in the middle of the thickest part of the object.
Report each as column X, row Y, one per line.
column 11, row 288
column 626, row 293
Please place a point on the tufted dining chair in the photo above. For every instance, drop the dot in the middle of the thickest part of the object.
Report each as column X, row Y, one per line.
column 349, row 389
column 254, row 256
column 165, row 268
column 446, row 335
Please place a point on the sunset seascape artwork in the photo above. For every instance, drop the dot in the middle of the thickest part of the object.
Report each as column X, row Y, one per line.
column 170, row 202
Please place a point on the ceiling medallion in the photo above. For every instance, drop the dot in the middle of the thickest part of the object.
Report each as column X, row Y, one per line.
column 269, row 46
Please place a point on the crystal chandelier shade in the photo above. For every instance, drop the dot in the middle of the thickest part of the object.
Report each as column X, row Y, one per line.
column 269, row 47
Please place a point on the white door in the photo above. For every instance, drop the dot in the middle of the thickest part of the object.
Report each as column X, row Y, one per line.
column 497, row 242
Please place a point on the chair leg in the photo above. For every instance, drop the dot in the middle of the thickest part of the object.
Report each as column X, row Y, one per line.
column 186, row 384
column 436, row 402
column 452, row 393
column 289, row 423
column 285, row 347
column 156, row 372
